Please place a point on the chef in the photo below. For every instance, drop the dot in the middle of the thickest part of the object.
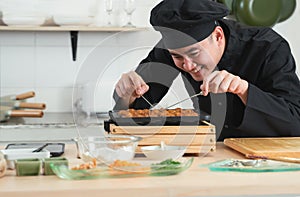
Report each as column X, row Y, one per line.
column 252, row 66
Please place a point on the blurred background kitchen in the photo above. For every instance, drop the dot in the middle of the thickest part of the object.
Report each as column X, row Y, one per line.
column 42, row 61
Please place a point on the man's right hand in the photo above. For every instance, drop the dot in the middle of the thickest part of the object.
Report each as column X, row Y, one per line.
column 131, row 86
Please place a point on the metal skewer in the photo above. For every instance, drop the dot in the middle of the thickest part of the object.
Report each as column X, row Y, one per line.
column 147, row 101
column 195, row 95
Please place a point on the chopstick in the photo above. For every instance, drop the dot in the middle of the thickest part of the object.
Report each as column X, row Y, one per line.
column 195, row 95
column 147, row 101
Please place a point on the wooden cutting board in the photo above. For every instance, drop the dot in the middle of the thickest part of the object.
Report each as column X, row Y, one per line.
column 286, row 149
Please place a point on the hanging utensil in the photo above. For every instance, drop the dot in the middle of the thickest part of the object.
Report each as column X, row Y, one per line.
column 195, row 95
column 17, row 97
column 6, row 112
column 18, row 104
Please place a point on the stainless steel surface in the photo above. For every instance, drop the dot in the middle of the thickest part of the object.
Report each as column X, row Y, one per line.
column 53, row 127
column 54, row 120
column 195, row 95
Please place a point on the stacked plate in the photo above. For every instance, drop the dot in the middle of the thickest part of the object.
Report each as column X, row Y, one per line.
column 22, row 13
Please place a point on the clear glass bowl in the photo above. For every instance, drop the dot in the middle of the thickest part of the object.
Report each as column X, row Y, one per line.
column 108, row 148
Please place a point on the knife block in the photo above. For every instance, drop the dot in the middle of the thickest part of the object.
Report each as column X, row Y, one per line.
column 199, row 139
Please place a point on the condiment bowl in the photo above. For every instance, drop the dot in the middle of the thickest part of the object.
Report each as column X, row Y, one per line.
column 163, row 152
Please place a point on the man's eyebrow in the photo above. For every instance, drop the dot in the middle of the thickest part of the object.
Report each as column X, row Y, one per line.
column 186, row 52
column 191, row 50
column 174, row 54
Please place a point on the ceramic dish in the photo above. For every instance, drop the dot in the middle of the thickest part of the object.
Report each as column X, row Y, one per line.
column 146, row 168
column 249, row 165
column 162, row 153
column 23, row 20
column 72, row 20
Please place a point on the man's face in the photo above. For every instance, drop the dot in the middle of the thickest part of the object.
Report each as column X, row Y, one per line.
column 199, row 59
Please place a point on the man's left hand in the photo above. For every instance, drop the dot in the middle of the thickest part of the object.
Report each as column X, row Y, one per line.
column 223, row 81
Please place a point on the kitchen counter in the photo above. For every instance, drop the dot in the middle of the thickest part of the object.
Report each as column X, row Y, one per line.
column 195, row 181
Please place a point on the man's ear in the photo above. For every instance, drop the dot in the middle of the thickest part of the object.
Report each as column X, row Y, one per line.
column 218, row 34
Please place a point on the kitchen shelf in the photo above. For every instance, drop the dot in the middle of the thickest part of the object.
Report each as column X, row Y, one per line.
column 69, row 28
column 73, row 31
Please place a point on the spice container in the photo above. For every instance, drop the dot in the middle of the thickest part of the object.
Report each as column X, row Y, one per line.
column 56, row 161
column 28, row 167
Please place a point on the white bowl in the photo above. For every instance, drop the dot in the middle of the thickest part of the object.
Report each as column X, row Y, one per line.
column 23, row 20
column 72, row 20
column 168, row 152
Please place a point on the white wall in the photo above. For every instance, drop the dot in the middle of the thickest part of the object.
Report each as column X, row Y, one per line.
column 41, row 61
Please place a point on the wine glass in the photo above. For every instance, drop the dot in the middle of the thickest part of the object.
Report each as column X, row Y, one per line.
column 129, row 8
column 109, row 9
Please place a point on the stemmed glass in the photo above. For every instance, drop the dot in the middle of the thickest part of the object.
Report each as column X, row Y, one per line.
column 109, row 9
column 129, row 8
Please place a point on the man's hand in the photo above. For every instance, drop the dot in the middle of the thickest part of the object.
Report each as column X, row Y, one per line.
column 223, row 81
column 131, row 86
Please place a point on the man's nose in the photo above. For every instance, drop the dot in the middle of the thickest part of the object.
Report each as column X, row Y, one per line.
column 188, row 64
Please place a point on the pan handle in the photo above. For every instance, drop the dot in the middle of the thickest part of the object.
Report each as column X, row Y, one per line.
column 32, row 105
column 25, row 95
column 26, row 113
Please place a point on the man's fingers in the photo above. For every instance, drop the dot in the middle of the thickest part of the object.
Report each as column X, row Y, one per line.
column 138, row 83
column 206, row 83
column 225, row 84
column 235, row 82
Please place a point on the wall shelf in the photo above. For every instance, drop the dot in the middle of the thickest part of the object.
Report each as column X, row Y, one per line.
column 69, row 28
column 73, row 31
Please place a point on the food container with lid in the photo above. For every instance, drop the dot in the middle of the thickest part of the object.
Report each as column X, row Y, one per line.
column 14, row 154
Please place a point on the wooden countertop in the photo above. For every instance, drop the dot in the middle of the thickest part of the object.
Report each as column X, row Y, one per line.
column 195, row 181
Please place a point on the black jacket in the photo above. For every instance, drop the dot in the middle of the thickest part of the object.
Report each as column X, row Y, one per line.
column 258, row 55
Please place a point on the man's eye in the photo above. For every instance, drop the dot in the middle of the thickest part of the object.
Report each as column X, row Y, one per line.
column 194, row 54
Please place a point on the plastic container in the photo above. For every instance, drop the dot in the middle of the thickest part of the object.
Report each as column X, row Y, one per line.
column 14, row 154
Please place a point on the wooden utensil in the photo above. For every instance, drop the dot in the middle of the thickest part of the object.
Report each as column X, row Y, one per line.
column 18, row 104
column 17, row 97
column 7, row 112
column 282, row 149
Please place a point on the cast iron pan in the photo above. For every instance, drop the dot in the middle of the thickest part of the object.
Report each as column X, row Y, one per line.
column 287, row 9
column 155, row 121
column 258, row 12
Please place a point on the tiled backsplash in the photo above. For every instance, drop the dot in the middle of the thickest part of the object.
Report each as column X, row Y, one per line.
column 42, row 62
